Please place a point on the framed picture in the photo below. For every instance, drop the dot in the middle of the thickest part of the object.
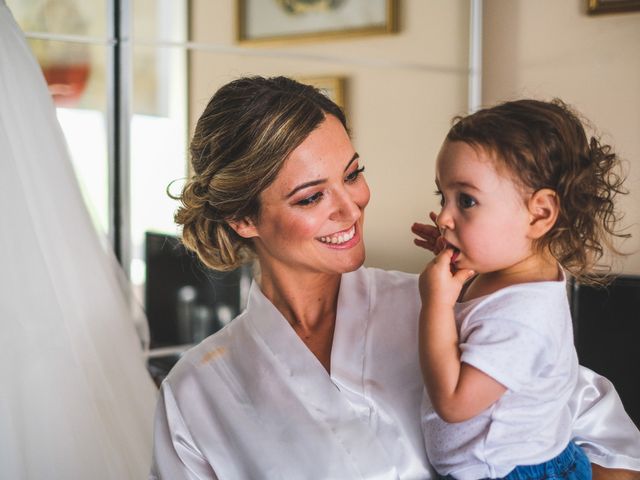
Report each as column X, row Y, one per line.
column 609, row 6
column 259, row 21
column 332, row 87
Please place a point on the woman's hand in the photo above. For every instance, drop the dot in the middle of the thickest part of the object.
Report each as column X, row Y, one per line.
column 430, row 238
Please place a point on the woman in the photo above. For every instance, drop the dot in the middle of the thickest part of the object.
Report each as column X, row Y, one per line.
column 319, row 377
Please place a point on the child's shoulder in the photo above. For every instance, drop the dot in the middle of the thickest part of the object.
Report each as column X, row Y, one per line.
column 535, row 304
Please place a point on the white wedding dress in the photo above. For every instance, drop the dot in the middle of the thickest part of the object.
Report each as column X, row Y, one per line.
column 76, row 401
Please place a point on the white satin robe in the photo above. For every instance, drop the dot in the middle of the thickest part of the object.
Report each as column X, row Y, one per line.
column 253, row 402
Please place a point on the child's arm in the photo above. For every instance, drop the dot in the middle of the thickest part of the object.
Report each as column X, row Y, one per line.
column 457, row 390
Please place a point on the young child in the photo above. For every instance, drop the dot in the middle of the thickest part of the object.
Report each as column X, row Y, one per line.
column 525, row 196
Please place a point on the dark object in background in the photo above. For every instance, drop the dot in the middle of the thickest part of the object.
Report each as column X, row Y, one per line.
column 159, row 367
column 607, row 335
column 185, row 301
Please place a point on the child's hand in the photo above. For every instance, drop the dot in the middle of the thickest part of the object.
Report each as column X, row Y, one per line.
column 439, row 283
column 430, row 238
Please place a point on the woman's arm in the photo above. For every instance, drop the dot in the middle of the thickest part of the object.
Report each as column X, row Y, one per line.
column 601, row 473
column 603, row 429
column 174, row 452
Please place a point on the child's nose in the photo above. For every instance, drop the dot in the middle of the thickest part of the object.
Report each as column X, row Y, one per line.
column 444, row 221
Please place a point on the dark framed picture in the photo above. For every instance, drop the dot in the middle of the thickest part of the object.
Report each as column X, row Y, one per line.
column 280, row 21
column 611, row 6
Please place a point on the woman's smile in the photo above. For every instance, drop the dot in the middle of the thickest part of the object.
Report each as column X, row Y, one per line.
column 312, row 214
column 343, row 239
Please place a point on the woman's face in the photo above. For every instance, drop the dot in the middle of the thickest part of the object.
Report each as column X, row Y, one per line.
column 312, row 214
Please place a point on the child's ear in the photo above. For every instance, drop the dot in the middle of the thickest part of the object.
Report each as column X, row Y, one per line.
column 244, row 227
column 544, row 208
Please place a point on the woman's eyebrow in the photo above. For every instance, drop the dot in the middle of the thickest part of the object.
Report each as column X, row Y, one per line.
column 320, row 180
column 353, row 159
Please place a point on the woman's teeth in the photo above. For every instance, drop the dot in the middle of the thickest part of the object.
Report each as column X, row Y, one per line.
column 339, row 238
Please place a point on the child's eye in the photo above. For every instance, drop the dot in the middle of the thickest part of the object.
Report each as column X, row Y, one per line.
column 353, row 176
column 438, row 193
column 310, row 200
column 466, row 201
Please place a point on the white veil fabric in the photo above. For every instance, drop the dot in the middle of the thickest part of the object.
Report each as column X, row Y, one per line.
column 76, row 400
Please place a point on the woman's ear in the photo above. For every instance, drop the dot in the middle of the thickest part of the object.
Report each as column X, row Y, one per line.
column 244, row 227
column 544, row 207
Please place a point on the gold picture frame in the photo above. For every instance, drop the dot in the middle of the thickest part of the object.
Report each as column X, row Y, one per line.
column 612, row 6
column 332, row 86
column 286, row 21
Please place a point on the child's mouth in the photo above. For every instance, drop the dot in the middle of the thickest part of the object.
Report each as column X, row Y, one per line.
column 456, row 251
column 454, row 255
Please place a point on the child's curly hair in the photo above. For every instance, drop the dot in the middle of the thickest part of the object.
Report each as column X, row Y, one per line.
column 544, row 145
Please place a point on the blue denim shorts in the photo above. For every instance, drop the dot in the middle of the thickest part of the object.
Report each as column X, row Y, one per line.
column 571, row 464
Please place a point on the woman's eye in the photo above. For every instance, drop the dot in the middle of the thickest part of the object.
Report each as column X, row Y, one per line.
column 438, row 193
column 310, row 200
column 353, row 176
column 466, row 201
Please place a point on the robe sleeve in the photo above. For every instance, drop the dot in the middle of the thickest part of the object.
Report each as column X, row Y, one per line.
column 600, row 424
column 175, row 455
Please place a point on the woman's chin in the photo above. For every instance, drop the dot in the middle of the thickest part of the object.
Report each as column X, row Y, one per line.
column 356, row 265
column 355, row 261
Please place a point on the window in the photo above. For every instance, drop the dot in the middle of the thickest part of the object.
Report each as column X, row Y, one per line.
column 126, row 73
column 117, row 72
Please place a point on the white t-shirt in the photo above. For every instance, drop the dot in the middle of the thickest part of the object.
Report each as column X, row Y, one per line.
column 522, row 337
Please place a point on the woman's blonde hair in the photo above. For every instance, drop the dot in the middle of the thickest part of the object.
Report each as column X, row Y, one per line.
column 241, row 141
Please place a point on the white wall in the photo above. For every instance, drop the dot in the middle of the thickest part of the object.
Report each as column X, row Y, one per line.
column 550, row 48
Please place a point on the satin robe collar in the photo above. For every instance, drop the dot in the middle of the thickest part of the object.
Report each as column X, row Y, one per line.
column 338, row 400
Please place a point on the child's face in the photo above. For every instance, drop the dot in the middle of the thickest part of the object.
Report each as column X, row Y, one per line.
column 484, row 213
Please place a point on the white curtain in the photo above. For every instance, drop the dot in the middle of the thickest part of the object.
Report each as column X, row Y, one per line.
column 76, row 401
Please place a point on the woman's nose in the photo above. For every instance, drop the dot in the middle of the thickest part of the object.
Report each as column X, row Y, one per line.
column 346, row 208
